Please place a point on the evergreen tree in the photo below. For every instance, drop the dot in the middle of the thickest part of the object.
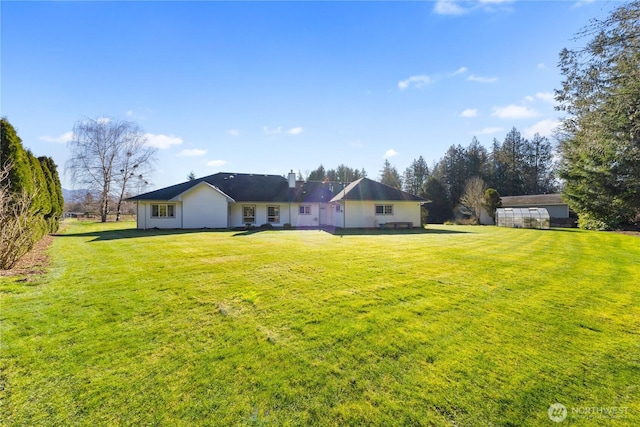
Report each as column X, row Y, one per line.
column 600, row 136
column 509, row 164
column 389, row 175
column 54, row 189
column 30, row 197
column 11, row 150
column 440, row 207
column 318, row 174
column 539, row 172
column 415, row 176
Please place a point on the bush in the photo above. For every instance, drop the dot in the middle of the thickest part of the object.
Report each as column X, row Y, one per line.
column 266, row 226
column 588, row 222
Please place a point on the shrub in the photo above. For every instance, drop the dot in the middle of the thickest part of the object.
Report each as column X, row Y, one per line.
column 588, row 222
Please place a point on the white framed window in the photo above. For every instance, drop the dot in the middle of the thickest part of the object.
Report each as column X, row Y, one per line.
column 248, row 214
column 304, row 210
column 163, row 211
column 384, row 209
column 273, row 214
column 338, row 207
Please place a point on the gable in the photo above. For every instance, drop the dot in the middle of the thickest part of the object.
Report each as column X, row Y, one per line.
column 239, row 187
column 201, row 189
column 366, row 189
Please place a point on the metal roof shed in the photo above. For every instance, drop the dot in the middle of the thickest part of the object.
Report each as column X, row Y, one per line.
column 523, row 218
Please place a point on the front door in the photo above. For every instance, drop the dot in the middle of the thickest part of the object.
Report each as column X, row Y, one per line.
column 324, row 215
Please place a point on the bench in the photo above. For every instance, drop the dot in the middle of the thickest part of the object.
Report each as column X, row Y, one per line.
column 396, row 225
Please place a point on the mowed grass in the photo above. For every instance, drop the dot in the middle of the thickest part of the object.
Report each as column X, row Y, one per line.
column 455, row 326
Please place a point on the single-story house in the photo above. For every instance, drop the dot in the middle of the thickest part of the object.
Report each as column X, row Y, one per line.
column 229, row 200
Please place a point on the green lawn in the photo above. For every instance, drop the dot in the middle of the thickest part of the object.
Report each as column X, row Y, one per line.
column 455, row 326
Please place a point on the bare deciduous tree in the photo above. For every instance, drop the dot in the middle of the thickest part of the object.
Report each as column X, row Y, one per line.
column 107, row 157
column 473, row 197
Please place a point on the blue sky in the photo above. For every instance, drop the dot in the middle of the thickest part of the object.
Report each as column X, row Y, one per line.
column 265, row 87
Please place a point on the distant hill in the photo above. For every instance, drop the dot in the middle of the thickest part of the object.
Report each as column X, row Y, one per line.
column 73, row 195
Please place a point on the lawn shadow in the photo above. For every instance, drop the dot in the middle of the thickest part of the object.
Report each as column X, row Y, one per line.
column 134, row 233
column 389, row 231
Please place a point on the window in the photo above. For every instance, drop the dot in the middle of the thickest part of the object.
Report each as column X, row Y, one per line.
column 248, row 214
column 163, row 211
column 304, row 210
column 273, row 214
column 338, row 207
column 384, row 209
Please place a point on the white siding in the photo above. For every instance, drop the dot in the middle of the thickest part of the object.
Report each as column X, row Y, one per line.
column 145, row 220
column 304, row 220
column 362, row 214
column 557, row 211
column 338, row 213
column 236, row 219
column 204, row 207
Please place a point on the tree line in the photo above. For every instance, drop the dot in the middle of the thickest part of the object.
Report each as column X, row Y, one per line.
column 598, row 152
column 515, row 166
column 31, row 202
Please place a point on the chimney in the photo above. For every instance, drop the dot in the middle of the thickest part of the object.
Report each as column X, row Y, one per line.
column 292, row 179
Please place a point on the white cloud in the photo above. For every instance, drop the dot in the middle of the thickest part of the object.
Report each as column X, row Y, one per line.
column 103, row 120
column 480, row 79
column 216, row 163
column 448, row 7
column 356, row 144
column 129, row 113
column 469, row 112
column 529, row 99
column 514, row 112
column 390, row 153
column 275, row 131
column 460, row 70
column 415, row 81
column 295, row 131
column 541, row 66
column 67, row 136
column 192, row 152
column 543, row 127
column 453, row 7
column 581, row 3
column 488, row 131
column 546, row 96
column 233, row 132
column 162, row 141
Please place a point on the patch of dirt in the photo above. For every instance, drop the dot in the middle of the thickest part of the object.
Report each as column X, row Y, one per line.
column 630, row 233
column 33, row 262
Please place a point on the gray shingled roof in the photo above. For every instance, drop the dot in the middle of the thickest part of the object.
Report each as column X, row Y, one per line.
column 243, row 187
column 532, row 200
column 368, row 189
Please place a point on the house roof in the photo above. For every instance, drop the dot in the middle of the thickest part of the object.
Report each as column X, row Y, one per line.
column 242, row 187
column 316, row 191
column 532, row 200
column 368, row 189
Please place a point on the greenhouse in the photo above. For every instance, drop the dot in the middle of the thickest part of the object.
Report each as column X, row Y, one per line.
column 523, row 218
